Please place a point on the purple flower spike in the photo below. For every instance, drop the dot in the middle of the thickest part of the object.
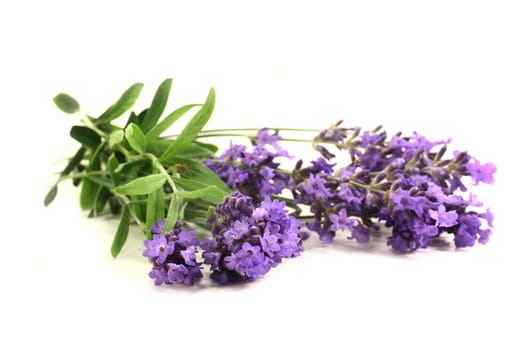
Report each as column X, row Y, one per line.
column 173, row 255
column 405, row 182
column 248, row 246
column 253, row 172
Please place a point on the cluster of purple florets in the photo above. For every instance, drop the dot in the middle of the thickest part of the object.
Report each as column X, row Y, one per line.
column 247, row 241
column 173, row 255
column 254, row 171
column 403, row 182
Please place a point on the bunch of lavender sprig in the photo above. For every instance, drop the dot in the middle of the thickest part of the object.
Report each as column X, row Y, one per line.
column 246, row 208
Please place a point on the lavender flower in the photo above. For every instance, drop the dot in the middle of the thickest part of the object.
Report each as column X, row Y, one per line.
column 247, row 240
column 253, row 172
column 481, row 172
column 173, row 255
column 403, row 182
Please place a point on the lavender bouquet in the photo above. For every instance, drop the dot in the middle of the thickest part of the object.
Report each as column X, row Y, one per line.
column 241, row 213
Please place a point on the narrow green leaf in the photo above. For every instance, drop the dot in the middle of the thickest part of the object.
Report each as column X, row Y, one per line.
column 160, row 208
column 89, row 188
column 100, row 201
column 132, row 167
column 151, row 210
column 192, row 129
column 195, row 171
column 195, row 215
column 66, row 103
column 200, row 193
column 164, row 125
column 155, row 209
column 196, row 151
column 133, row 118
column 135, row 138
column 142, row 185
column 210, row 146
column 157, row 106
column 73, row 162
column 88, row 193
column 86, row 136
column 122, row 233
column 115, row 138
column 172, row 214
column 211, row 196
column 111, row 165
column 125, row 102
column 114, row 205
column 50, row 196
column 140, row 207
column 211, row 211
column 101, row 180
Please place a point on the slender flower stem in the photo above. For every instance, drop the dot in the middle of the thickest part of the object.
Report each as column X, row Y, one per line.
column 305, row 217
column 357, row 184
column 257, row 129
column 253, row 136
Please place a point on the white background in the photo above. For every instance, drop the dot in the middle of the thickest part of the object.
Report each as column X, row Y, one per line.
column 442, row 68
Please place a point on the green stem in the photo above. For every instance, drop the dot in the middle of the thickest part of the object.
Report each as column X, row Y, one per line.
column 257, row 129
column 82, row 175
column 87, row 122
column 124, row 201
column 357, row 184
column 285, row 139
column 176, row 207
column 305, row 217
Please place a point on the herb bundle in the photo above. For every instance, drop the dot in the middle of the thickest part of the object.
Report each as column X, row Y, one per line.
column 241, row 212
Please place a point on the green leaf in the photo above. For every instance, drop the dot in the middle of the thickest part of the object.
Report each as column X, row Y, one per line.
column 155, row 209
column 172, row 213
column 100, row 201
column 195, row 171
column 213, row 195
column 136, row 138
column 139, row 207
column 111, row 165
column 66, row 103
column 195, row 215
column 211, row 147
column 115, row 138
column 164, row 125
column 151, row 210
column 86, row 136
column 160, row 208
column 101, row 180
column 89, row 189
column 142, row 185
column 196, row 151
column 125, row 102
column 88, row 193
column 157, row 106
column 122, row 233
column 192, row 129
column 50, row 196
column 73, row 162
column 200, row 193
